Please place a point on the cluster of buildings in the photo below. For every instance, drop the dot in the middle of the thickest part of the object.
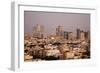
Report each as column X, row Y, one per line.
column 39, row 32
column 80, row 34
column 62, row 45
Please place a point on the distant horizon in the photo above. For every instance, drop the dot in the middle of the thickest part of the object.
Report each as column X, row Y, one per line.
column 50, row 20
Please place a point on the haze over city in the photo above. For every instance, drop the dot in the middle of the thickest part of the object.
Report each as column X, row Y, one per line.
column 50, row 20
column 56, row 36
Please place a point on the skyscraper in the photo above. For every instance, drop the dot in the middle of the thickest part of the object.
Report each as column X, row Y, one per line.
column 87, row 35
column 70, row 36
column 65, row 35
column 82, row 35
column 78, row 34
column 59, row 31
column 38, row 31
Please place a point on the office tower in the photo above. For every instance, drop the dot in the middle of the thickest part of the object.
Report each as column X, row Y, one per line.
column 70, row 36
column 87, row 35
column 59, row 31
column 82, row 35
column 78, row 34
column 38, row 31
column 65, row 35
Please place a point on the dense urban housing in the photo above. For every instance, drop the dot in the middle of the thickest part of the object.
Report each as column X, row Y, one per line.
column 62, row 45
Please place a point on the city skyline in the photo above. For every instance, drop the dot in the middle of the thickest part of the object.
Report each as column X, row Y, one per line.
column 70, row 21
column 56, row 36
column 38, row 31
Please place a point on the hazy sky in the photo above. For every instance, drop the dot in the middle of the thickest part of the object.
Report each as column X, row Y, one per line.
column 50, row 20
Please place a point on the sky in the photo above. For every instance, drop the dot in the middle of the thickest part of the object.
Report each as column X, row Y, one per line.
column 50, row 20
